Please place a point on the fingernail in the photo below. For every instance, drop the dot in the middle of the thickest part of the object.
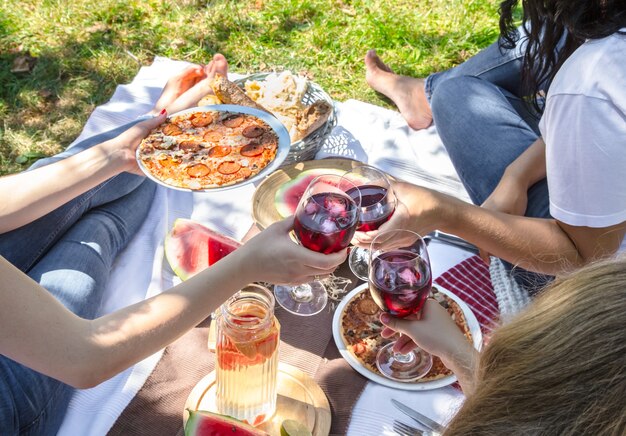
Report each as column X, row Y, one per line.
column 385, row 318
column 163, row 112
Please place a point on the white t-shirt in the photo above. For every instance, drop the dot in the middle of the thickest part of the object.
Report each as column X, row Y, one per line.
column 584, row 128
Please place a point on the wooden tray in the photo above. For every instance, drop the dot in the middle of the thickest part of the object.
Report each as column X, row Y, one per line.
column 263, row 209
column 299, row 398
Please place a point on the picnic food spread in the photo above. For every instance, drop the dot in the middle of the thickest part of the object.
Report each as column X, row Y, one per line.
column 360, row 331
column 207, row 149
column 279, row 94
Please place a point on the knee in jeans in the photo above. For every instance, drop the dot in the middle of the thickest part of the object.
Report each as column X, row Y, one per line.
column 451, row 96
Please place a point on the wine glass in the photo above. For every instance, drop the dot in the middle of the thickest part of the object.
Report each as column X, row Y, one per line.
column 325, row 221
column 378, row 203
column 400, row 281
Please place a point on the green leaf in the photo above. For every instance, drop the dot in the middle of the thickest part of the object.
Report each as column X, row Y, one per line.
column 25, row 157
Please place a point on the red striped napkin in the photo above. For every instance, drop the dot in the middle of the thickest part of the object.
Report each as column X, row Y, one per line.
column 471, row 282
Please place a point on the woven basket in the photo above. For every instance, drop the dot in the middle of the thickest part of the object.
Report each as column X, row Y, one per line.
column 306, row 148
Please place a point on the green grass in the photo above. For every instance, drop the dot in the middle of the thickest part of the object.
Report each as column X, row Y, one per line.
column 84, row 48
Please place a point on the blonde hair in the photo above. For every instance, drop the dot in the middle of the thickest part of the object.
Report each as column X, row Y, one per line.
column 559, row 368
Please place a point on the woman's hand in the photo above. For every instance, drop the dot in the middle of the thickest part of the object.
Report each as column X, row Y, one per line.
column 272, row 256
column 433, row 330
column 418, row 209
column 436, row 333
column 122, row 148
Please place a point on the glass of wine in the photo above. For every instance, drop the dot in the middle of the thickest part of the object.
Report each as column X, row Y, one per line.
column 378, row 203
column 325, row 221
column 400, row 281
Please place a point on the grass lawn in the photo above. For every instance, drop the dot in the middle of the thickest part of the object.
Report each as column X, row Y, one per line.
column 82, row 49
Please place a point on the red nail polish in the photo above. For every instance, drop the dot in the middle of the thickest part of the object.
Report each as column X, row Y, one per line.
column 163, row 112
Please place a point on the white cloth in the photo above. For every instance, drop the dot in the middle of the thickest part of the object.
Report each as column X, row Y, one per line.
column 584, row 128
column 365, row 132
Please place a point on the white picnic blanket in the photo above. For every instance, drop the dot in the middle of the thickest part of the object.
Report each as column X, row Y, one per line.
column 365, row 132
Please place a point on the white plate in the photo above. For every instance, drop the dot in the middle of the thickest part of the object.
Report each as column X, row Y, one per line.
column 284, row 144
column 472, row 324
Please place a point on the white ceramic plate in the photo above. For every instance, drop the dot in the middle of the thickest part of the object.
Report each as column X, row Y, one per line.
column 284, row 144
column 472, row 323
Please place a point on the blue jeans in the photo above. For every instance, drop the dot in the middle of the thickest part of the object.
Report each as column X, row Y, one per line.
column 484, row 125
column 70, row 252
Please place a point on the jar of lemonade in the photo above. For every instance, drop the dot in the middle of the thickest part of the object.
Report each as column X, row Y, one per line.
column 247, row 356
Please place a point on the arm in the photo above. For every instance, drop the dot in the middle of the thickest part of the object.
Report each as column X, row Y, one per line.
column 436, row 333
column 38, row 192
column 35, row 193
column 546, row 246
column 543, row 245
column 40, row 333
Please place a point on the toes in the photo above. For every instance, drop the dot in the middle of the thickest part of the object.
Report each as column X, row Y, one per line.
column 373, row 61
column 221, row 64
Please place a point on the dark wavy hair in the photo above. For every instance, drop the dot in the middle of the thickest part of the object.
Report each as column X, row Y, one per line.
column 546, row 23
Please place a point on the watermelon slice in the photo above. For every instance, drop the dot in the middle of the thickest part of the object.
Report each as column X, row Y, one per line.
column 191, row 247
column 290, row 193
column 203, row 423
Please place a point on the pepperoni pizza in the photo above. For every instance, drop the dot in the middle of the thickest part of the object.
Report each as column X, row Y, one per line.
column 208, row 149
column 361, row 328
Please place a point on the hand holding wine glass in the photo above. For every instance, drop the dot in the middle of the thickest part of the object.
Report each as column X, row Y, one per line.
column 418, row 209
column 325, row 221
column 400, row 280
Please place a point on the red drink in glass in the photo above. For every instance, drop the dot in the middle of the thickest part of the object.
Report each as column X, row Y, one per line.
column 400, row 282
column 326, row 223
column 375, row 209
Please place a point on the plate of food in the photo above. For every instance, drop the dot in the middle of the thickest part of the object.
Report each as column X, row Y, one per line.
column 211, row 148
column 356, row 330
column 278, row 195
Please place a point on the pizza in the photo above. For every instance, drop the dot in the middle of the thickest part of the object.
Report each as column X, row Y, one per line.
column 361, row 328
column 208, row 149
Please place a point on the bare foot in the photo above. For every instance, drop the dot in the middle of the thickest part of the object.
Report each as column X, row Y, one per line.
column 220, row 64
column 177, row 85
column 406, row 92
column 191, row 97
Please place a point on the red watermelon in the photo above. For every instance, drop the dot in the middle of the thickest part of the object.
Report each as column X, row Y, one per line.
column 191, row 247
column 202, row 423
column 289, row 194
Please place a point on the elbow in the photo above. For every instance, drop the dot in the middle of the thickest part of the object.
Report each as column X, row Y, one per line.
column 86, row 377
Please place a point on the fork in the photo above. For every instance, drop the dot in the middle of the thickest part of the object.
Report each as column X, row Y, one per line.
column 406, row 430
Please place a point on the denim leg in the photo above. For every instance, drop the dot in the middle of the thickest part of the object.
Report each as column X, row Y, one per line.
column 31, row 404
column 24, row 246
column 502, row 67
column 75, row 271
column 484, row 128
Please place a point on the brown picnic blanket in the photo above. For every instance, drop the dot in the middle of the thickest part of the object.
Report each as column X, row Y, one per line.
column 306, row 343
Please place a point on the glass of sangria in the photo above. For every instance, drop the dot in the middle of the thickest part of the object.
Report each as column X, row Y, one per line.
column 400, row 281
column 378, row 202
column 247, row 356
column 325, row 221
